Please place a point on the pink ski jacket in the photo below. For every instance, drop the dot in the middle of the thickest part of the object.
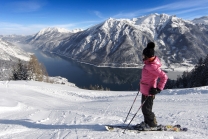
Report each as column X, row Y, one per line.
column 150, row 74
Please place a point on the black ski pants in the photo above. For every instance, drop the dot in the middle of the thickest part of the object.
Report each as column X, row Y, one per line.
column 149, row 116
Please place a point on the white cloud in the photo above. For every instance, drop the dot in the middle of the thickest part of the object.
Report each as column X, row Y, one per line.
column 182, row 7
column 98, row 14
column 26, row 6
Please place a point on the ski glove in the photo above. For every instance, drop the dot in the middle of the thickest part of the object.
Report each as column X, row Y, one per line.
column 154, row 91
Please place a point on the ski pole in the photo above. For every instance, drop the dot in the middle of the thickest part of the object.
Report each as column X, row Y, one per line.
column 135, row 114
column 131, row 108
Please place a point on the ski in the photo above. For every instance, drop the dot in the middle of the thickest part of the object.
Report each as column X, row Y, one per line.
column 135, row 128
column 118, row 127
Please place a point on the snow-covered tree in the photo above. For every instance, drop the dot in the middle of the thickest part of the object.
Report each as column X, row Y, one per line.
column 20, row 71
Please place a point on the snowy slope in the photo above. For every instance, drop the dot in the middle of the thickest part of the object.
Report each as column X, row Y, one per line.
column 33, row 110
column 9, row 51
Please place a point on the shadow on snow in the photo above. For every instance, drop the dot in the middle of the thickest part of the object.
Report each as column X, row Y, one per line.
column 28, row 124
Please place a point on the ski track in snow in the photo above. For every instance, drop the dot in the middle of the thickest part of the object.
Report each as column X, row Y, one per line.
column 35, row 110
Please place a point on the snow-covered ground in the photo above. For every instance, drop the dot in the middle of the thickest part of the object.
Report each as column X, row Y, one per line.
column 31, row 110
column 8, row 51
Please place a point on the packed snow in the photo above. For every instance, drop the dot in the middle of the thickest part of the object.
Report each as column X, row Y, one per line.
column 31, row 110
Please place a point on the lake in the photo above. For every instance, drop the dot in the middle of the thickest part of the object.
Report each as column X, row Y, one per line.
column 84, row 75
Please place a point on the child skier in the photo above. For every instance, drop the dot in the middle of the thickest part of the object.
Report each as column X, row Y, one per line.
column 149, row 85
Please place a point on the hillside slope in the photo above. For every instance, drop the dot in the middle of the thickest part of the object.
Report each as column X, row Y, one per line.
column 31, row 109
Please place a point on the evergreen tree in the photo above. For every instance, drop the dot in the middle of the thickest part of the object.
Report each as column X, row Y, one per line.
column 178, row 83
column 196, row 74
column 197, row 77
column 184, row 79
column 20, row 71
column 205, row 71
column 170, row 84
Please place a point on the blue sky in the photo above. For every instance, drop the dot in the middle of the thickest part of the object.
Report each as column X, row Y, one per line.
column 29, row 16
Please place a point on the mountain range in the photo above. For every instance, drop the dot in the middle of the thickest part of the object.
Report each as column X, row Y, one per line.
column 120, row 42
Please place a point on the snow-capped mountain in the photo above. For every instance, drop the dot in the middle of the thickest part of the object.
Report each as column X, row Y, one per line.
column 106, row 43
column 119, row 42
column 49, row 38
column 201, row 20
